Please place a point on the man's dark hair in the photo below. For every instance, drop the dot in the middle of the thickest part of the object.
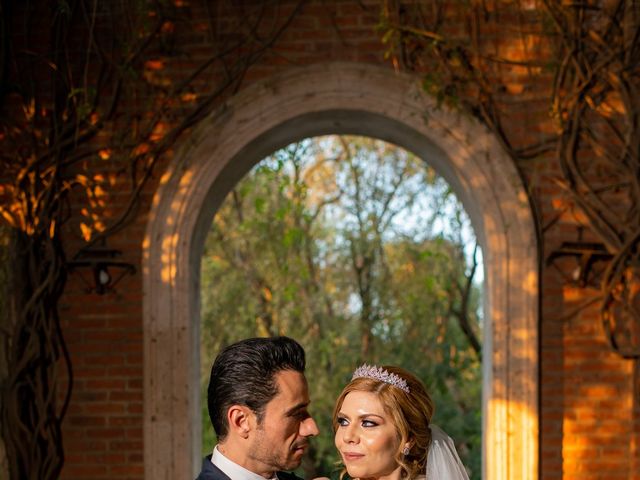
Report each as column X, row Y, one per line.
column 244, row 374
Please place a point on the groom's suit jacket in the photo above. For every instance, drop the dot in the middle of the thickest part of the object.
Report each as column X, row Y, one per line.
column 211, row 472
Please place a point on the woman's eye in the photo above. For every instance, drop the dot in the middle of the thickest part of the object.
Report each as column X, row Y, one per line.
column 343, row 422
column 369, row 423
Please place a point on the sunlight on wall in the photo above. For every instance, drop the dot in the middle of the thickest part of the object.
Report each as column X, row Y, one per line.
column 583, row 421
column 530, row 282
column 167, row 273
column 510, row 420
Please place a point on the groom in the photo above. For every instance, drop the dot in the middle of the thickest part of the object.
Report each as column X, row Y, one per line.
column 258, row 404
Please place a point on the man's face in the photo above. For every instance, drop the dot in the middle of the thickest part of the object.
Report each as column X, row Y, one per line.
column 281, row 438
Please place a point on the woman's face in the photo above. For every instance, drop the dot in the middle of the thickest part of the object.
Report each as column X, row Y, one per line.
column 366, row 437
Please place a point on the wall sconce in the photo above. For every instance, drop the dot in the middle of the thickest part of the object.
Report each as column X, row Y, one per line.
column 105, row 272
column 586, row 254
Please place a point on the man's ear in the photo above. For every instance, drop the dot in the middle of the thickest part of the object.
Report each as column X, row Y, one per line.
column 241, row 420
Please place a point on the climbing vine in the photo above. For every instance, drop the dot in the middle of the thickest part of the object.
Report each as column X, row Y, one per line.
column 584, row 57
column 93, row 94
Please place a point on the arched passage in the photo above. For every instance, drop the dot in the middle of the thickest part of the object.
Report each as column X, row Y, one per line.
column 317, row 100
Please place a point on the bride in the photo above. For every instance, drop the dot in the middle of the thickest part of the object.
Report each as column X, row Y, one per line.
column 383, row 431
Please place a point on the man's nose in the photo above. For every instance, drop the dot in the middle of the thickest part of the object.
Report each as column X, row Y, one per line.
column 308, row 428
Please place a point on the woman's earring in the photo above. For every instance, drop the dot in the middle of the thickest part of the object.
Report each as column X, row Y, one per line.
column 405, row 451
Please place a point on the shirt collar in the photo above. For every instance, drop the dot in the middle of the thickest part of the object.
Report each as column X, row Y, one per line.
column 232, row 469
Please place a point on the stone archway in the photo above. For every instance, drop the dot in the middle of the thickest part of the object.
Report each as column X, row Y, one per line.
column 317, row 100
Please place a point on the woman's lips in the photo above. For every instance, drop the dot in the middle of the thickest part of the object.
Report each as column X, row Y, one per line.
column 352, row 456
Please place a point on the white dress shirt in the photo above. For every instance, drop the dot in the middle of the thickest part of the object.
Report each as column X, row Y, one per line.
column 232, row 469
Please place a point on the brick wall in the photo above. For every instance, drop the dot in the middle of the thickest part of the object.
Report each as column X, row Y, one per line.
column 589, row 396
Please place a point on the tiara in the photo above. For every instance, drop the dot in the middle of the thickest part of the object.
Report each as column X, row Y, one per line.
column 380, row 374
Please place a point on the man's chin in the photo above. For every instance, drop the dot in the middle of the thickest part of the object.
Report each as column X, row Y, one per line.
column 295, row 461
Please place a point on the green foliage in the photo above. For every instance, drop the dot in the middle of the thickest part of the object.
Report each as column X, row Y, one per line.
column 357, row 249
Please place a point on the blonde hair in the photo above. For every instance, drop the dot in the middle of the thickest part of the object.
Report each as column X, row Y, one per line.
column 411, row 414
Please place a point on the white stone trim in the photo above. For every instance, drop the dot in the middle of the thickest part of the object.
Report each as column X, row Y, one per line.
column 322, row 99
